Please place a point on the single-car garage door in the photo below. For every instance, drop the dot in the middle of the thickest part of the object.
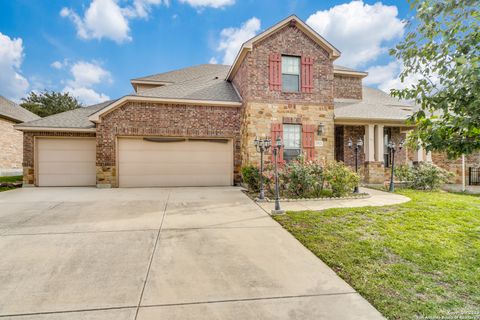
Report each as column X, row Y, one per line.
column 66, row 162
column 167, row 162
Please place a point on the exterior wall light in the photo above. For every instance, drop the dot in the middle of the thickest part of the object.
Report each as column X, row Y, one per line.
column 321, row 129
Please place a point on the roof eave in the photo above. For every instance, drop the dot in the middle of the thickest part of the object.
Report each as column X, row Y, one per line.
column 334, row 53
column 359, row 120
column 19, row 127
column 360, row 74
column 95, row 117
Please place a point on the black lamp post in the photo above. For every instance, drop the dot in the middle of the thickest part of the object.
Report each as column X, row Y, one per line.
column 358, row 146
column 276, row 150
column 392, row 148
column 262, row 145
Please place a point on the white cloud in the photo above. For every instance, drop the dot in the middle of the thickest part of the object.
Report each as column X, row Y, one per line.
column 231, row 39
column 382, row 73
column 12, row 84
column 209, row 3
column 387, row 77
column 107, row 19
column 57, row 65
column 358, row 30
column 87, row 96
column 213, row 60
column 85, row 76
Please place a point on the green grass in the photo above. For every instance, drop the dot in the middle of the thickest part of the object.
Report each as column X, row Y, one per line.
column 420, row 258
column 11, row 179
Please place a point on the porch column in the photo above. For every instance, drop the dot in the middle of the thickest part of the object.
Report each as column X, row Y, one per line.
column 379, row 143
column 418, row 155
column 369, row 142
column 429, row 157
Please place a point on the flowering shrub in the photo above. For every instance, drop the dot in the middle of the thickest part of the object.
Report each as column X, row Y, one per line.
column 304, row 179
column 340, row 179
column 424, row 176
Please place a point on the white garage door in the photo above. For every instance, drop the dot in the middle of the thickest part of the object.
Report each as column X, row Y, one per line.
column 66, row 162
column 162, row 162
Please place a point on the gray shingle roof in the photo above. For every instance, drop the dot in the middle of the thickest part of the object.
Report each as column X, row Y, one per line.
column 375, row 105
column 77, row 118
column 203, row 82
column 13, row 111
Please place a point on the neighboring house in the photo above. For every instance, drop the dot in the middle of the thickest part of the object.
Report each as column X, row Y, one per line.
column 196, row 126
column 11, row 140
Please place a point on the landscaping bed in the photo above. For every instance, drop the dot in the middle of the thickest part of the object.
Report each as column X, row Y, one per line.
column 10, row 182
column 417, row 259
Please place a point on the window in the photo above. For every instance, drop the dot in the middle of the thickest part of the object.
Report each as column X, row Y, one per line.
column 292, row 137
column 290, row 74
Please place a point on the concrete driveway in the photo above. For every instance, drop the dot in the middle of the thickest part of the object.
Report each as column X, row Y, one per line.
column 180, row 253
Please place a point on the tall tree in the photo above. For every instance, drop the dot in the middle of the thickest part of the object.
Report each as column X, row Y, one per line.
column 442, row 50
column 49, row 102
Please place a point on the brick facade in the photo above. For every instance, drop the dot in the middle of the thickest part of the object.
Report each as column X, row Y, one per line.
column 263, row 106
column 455, row 165
column 154, row 119
column 10, row 148
column 347, row 87
column 29, row 175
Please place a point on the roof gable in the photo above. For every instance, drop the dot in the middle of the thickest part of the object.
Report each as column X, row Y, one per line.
column 293, row 19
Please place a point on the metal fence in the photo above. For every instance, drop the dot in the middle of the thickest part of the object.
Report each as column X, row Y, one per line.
column 474, row 176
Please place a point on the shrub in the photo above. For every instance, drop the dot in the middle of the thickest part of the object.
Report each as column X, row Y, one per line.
column 297, row 178
column 403, row 173
column 424, row 176
column 340, row 178
column 251, row 177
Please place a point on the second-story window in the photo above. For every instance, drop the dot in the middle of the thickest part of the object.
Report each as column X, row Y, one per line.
column 290, row 73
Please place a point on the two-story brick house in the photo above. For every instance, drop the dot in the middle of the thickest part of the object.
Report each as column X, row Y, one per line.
column 196, row 126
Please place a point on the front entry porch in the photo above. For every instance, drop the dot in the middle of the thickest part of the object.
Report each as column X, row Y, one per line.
column 374, row 159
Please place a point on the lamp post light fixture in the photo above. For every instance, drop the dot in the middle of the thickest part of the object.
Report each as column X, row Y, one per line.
column 321, row 128
column 358, row 146
column 262, row 145
column 276, row 150
column 392, row 147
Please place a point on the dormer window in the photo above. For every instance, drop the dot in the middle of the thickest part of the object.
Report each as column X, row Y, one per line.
column 290, row 74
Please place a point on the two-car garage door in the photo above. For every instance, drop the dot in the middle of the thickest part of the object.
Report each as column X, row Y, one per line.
column 163, row 162
column 142, row 162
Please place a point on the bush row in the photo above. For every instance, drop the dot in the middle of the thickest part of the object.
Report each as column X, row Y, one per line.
column 303, row 179
column 424, row 176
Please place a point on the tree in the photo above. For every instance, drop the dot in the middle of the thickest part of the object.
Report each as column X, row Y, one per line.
column 442, row 50
column 49, row 102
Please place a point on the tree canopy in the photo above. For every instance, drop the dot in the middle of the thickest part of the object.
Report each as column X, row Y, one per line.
column 49, row 102
column 442, row 50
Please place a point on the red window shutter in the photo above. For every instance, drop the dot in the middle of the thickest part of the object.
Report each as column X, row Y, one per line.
column 308, row 141
column 307, row 74
column 277, row 131
column 275, row 72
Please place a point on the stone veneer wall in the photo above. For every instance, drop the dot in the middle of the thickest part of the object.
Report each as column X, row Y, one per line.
column 260, row 116
column 10, row 148
column 347, row 87
column 155, row 119
column 29, row 151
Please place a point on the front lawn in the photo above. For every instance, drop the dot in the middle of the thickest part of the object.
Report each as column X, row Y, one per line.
column 421, row 258
column 11, row 179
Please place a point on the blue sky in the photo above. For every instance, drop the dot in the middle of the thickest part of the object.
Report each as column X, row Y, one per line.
column 92, row 48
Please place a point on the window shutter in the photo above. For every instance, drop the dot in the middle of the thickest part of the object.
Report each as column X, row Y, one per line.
column 277, row 131
column 308, row 141
column 307, row 74
column 275, row 72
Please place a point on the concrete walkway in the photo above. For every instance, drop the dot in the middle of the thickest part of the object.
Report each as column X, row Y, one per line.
column 180, row 253
column 377, row 198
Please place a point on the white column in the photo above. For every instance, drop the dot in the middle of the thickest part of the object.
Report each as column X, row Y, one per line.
column 429, row 157
column 418, row 155
column 379, row 143
column 369, row 142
